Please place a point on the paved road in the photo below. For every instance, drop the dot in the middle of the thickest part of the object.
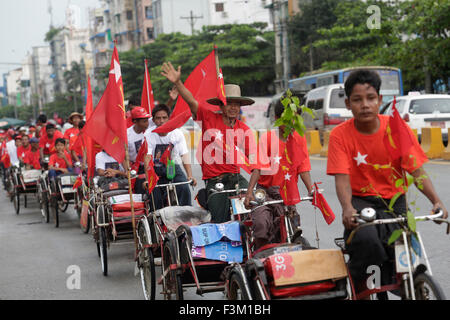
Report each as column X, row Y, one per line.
column 35, row 257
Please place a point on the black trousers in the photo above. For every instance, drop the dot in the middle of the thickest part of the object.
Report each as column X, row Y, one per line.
column 369, row 244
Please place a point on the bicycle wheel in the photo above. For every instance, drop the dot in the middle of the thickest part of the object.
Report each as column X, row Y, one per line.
column 146, row 266
column 237, row 289
column 427, row 289
column 172, row 284
column 63, row 206
column 17, row 201
column 103, row 251
column 25, row 201
column 55, row 211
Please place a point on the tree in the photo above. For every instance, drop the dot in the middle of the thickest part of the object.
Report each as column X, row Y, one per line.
column 243, row 59
column 74, row 79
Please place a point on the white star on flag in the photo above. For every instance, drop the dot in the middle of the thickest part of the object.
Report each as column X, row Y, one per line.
column 220, row 76
column 237, row 148
column 390, row 113
column 360, row 158
column 116, row 71
column 219, row 135
column 203, row 72
column 277, row 159
column 287, row 177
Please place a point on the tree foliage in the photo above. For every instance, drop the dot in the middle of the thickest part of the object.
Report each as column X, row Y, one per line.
column 244, row 60
column 413, row 36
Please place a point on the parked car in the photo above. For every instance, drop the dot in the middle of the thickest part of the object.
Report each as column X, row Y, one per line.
column 328, row 103
column 422, row 111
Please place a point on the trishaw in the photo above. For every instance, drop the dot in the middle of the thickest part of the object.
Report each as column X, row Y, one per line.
column 169, row 233
column 23, row 182
column 112, row 221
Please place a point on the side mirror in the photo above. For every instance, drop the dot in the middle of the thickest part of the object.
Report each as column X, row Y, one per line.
column 260, row 196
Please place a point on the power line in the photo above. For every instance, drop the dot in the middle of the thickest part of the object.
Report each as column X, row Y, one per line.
column 192, row 21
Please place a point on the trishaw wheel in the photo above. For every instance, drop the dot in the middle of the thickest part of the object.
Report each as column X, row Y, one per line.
column 147, row 268
column 103, row 251
column 172, row 284
column 237, row 288
column 17, row 201
column 54, row 207
column 426, row 288
column 63, row 206
column 46, row 208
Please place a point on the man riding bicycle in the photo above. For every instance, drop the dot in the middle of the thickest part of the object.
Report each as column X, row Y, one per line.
column 217, row 126
column 365, row 175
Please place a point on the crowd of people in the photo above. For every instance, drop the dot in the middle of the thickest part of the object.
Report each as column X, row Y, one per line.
column 355, row 149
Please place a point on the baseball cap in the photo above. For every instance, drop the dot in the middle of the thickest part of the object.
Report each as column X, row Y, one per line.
column 34, row 140
column 139, row 113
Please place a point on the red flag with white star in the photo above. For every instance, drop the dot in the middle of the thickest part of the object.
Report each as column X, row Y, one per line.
column 221, row 88
column 320, row 202
column 397, row 140
column 202, row 83
column 107, row 125
column 147, row 99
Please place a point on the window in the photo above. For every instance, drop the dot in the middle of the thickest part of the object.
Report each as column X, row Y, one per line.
column 148, row 12
column 118, row 18
column 219, row 7
column 311, row 104
column 129, row 15
column 149, row 33
column 337, row 99
column 319, row 104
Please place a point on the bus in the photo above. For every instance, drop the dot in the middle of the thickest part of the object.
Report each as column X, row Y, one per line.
column 391, row 80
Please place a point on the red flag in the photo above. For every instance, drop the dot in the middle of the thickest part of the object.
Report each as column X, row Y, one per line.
column 397, row 140
column 107, row 125
column 91, row 150
column 289, row 189
column 5, row 159
column 320, row 202
column 221, row 89
column 165, row 157
column 78, row 182
column 202, row 83
column 147, row 99
column 152, row 176
column 140, row 156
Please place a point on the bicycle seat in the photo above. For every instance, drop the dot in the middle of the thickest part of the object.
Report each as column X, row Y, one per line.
column 175, row 216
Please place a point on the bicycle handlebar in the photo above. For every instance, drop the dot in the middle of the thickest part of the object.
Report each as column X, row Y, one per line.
column 173, row 184
column 363, row 223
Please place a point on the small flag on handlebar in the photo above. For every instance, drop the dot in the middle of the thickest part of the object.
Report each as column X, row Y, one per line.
column 320, row 202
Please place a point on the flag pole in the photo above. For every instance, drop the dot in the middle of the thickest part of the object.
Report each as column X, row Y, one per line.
column 133, row 223
column 146, row 86
column 216, row 55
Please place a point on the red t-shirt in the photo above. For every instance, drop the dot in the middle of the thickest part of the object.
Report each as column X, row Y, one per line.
column 21, row 151
column 365, row 158
column 69, row 133
column 58, row 162
column 32, row 158
column 213, row 128
column 78, row 147
column 273, row 149
column 49, row 144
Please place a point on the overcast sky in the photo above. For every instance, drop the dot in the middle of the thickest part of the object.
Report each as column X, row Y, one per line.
column 24, row 23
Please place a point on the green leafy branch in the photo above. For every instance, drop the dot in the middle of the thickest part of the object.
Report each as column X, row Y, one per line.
column 291, row 117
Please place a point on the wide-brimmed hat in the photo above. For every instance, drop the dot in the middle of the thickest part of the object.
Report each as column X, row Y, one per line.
column 233, row 94
column 73, row 114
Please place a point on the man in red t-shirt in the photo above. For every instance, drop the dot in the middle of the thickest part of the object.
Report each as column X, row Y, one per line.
column 32, row 157
column 47, row 140
column 24, row 148
column 365, row 175
column 273, row 149
column 221, row 125
column 75, row 118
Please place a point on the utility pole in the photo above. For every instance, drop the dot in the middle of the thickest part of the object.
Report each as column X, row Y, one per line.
column 138, row 36
column 192, row 21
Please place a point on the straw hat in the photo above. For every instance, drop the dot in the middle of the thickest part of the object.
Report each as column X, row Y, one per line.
column 73, row 114
column 233, row 94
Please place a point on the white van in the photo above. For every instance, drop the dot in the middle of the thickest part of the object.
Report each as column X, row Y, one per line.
column 328, row 104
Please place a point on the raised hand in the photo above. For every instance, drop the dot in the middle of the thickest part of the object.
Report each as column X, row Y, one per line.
column 170, row 73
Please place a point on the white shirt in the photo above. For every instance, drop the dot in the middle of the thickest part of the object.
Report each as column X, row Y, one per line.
column 158, row 144
column 12, row 151
column 134, row 142
column 105, row 161
column 66, row 126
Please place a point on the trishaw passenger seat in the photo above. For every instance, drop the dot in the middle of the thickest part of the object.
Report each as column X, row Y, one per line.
column 175, row 216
